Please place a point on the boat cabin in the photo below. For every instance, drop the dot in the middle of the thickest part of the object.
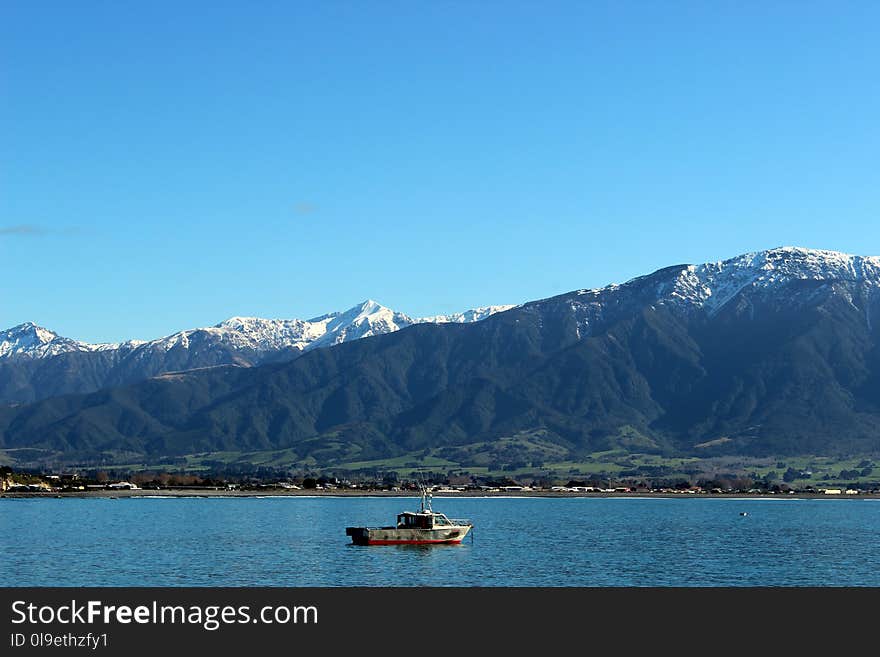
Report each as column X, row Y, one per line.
column 421, row 520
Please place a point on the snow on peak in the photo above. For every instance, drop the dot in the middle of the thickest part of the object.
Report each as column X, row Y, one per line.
column 711, row 285
column 24, row 337
column 708, row 287
column 257, row 335
column 776, row 265
column 472, row 315
column 798, row 263
column 238, row 333
column 372, row 318
column 361, row 321
column 33, row 341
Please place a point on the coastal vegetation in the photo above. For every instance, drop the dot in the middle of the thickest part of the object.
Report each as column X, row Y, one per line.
column 601, row 470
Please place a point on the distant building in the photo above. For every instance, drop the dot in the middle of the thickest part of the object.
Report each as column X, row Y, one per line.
column 123, row 485
column 41, row 487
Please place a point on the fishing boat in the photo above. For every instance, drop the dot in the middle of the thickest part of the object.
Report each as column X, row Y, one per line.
column 421, row 527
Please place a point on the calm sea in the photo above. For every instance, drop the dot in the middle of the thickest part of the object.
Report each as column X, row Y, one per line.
column 300, row 541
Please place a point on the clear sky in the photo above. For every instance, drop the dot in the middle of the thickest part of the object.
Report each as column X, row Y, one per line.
column 165, row 165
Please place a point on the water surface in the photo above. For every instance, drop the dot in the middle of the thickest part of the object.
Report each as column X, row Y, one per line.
column 300, row 541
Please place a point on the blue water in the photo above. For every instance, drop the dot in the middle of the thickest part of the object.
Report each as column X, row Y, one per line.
column 300, row 541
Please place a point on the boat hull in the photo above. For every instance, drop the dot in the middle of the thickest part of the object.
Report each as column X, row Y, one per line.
column 397, row 536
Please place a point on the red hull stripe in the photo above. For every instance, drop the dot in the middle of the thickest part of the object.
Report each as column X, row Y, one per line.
column 389, row 542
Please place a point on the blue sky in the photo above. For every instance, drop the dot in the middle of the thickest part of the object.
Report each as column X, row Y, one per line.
column 165, row 165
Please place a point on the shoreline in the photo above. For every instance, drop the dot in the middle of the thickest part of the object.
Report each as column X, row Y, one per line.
column 222, row 493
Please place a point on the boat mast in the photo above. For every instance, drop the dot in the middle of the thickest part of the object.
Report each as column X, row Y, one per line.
column 426, row 500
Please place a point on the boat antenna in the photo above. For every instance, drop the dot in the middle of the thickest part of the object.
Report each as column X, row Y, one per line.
column 426, row 500
column 426, row 495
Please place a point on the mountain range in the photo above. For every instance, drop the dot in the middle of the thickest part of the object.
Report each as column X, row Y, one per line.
column 37, row 363
column 769, row 353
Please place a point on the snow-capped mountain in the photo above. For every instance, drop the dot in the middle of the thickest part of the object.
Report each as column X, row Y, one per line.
column 255, row 335
column 36, row 363
column 707, row 287
column 34, row 341
column 767, row 354
column 472, row 315
column 250, row 334
column 786, row 274
column 713, row 285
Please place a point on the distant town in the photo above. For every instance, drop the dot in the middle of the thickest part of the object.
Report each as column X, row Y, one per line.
column 100, row 482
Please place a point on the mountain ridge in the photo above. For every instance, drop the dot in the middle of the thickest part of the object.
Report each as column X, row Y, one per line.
column 786, row 360
column 36, row 363
column 28, row 339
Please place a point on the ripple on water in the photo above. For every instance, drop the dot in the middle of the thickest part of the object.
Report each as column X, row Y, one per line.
column 517, row 542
